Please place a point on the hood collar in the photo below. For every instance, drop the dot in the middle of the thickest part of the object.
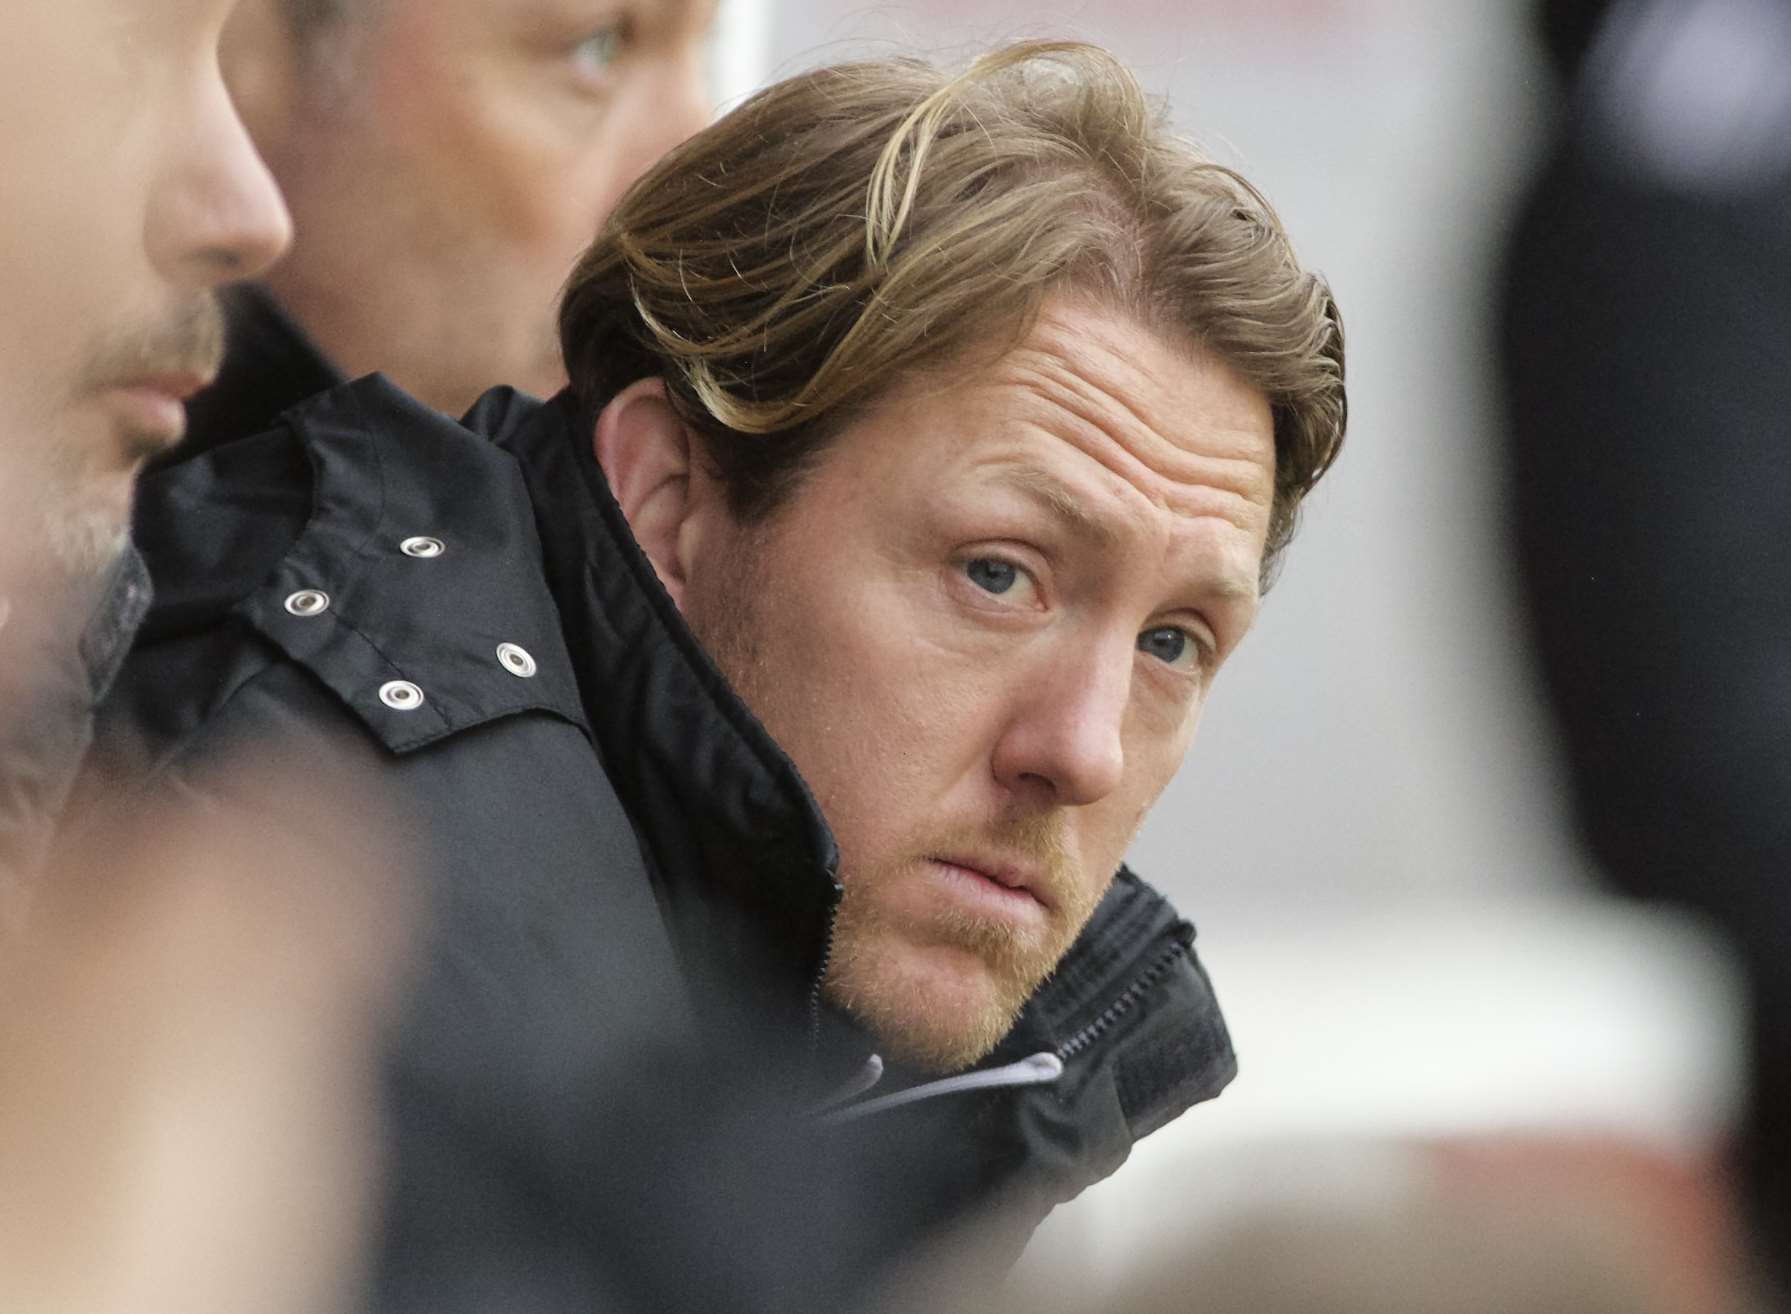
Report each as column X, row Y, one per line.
column 745, row 864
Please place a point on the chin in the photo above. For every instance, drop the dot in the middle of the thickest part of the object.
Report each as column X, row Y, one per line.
column 85, row 538
column 938, row 1010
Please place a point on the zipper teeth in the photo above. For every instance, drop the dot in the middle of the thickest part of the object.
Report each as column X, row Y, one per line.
column 817, row 986
column 1127, row 1001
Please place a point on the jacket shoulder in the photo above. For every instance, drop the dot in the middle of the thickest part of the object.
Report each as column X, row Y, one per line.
column 380, row 545
column 212, row 528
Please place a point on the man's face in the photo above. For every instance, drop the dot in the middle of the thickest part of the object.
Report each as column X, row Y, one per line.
column 130, row 191
column 984, row 628
column 447, row 161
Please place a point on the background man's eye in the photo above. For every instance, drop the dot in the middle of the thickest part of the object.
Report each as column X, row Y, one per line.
column 991, row 575
column 1167, row 644
column 595, row 55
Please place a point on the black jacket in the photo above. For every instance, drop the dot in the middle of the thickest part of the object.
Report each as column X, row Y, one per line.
column 631, row 889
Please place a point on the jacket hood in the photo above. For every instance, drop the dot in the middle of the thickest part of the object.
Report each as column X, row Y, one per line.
column 708, row 788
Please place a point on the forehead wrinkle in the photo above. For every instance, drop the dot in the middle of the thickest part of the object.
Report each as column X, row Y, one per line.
column 1107, row 427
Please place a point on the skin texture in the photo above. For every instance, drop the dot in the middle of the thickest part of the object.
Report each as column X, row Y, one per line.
column 130, row 191
column 984, row 628
column 448, row 160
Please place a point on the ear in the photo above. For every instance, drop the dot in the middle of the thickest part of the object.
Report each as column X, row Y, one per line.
column 654, row 468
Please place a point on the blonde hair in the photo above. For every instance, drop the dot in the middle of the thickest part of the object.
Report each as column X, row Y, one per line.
column 854, row 225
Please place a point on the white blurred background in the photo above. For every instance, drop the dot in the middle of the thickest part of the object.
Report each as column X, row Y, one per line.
column 1372, row 831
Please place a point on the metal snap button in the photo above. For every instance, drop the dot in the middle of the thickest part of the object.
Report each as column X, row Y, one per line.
column 516, row 659
column 401, row 695
column 308, row 602
column 422, row 546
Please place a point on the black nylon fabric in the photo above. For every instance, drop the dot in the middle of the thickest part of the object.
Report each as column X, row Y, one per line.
column 708, row 789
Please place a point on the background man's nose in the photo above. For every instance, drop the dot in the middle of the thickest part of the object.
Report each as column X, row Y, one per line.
column 682, row 106
column 216, row 215
column 1065, row 738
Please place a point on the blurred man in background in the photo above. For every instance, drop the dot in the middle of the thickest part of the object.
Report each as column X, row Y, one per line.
column 1647, row 325
column 446, row 161
column 130, row 192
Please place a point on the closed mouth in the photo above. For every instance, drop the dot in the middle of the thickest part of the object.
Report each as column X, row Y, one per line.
column 1010, row 875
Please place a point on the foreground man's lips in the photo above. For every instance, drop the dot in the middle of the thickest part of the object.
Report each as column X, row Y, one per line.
column 152, row 408
column 1015, row 879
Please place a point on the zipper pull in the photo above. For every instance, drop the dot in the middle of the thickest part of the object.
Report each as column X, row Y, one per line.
column 857, row 1084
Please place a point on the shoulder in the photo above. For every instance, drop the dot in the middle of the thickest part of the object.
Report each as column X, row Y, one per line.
column 380, row 545
column 212, row 527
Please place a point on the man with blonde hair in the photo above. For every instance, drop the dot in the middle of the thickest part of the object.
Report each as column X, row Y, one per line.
column 792, row 684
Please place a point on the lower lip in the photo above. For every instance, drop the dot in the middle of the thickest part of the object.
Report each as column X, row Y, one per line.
column 149, row 415
column 988, row 896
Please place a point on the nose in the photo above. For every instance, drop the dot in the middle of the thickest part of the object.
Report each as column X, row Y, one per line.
column 681, row 106
column 1065, row 740
column 216, row 214
column 689, row 105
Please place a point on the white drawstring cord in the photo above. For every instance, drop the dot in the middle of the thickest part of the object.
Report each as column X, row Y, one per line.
column 1035, row 1070
column 861, row 1081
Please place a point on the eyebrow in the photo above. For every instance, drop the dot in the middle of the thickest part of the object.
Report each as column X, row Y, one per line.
column 1055, row 496
column 1059, row 500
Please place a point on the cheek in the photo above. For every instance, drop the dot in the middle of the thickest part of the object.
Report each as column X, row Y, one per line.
column 882, row 731
column 1154, row 753
column 500, row 156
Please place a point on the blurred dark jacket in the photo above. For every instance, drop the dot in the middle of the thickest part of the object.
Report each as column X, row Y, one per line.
column 1646, row 346
column 602, row 1083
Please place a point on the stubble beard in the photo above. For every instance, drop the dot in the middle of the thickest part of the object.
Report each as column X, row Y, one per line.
column 874, row 972
column 82, row 523
column 878, row 972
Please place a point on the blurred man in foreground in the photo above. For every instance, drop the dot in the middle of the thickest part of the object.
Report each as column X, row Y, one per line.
column 790, row 686
column 131, row 193
column 446, row 162
column 188, row 1004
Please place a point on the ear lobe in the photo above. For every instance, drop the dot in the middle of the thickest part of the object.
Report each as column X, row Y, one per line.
column 646, row 452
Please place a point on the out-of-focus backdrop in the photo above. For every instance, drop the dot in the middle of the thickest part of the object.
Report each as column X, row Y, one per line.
column 1372, row 831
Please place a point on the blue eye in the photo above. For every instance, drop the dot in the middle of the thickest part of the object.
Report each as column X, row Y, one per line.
column 990, row 575
column 1167, row 644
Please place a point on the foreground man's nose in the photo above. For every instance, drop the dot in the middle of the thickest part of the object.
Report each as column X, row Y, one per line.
column 217, row 214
